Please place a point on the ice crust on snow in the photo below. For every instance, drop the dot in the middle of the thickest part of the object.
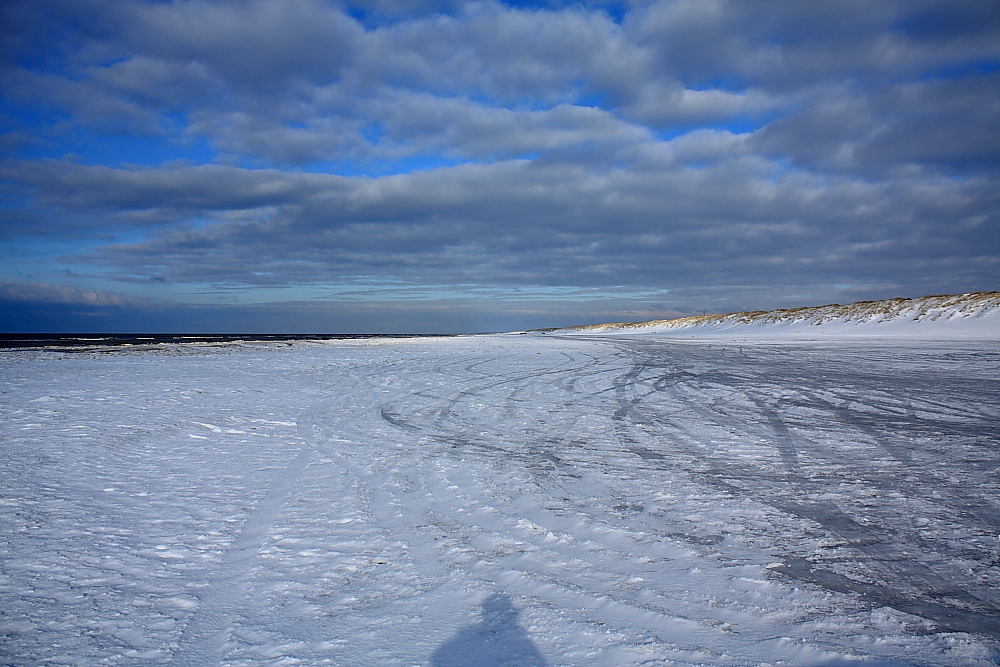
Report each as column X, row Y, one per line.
column 972, row 315
column 504, row 499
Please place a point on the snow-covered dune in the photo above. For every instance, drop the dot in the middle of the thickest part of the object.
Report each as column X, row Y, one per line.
column 975, row 315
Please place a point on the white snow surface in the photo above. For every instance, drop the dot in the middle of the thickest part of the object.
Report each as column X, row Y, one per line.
column 975, row 315
column 502, row 500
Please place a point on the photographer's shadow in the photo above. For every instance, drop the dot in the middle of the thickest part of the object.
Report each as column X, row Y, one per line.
column 498, row 641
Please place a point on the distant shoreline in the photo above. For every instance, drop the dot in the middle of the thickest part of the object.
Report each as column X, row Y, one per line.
column 77, row 341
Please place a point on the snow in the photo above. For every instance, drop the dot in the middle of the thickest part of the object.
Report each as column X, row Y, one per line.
column 537, row 499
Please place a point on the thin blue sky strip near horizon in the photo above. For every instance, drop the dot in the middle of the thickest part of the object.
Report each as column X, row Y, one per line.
column 396, row 165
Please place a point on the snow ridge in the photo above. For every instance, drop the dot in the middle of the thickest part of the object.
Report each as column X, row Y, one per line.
column 975, row 314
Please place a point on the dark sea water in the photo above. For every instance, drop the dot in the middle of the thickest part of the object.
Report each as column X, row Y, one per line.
column 70, row 342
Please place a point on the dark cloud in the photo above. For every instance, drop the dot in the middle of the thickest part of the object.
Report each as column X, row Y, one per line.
column 746, row 153
column 783, row 45
column 64, row 294
column 551, row 224
column 203, row 187
column 944, row 124
column 252, row 45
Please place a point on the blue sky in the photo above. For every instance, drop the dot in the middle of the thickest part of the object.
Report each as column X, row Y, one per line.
column 395, row 165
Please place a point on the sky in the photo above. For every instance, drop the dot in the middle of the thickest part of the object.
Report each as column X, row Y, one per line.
column 380, row 166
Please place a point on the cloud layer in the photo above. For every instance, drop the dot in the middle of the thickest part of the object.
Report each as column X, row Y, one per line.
column 724, row 155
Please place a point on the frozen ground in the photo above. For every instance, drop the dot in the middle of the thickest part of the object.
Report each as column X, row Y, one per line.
column 524, row 500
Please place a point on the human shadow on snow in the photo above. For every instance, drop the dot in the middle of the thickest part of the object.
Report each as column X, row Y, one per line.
column 497, row 641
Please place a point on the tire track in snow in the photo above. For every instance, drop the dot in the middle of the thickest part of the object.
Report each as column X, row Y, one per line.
column 537, row 558
column 514, row 478
column 906, row 584
column 457, row 505
column 204, row 639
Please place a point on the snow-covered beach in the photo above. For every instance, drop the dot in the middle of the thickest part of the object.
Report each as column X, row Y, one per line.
column 538, row 499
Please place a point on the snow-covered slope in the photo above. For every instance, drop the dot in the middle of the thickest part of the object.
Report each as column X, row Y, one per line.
column 973, row 315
